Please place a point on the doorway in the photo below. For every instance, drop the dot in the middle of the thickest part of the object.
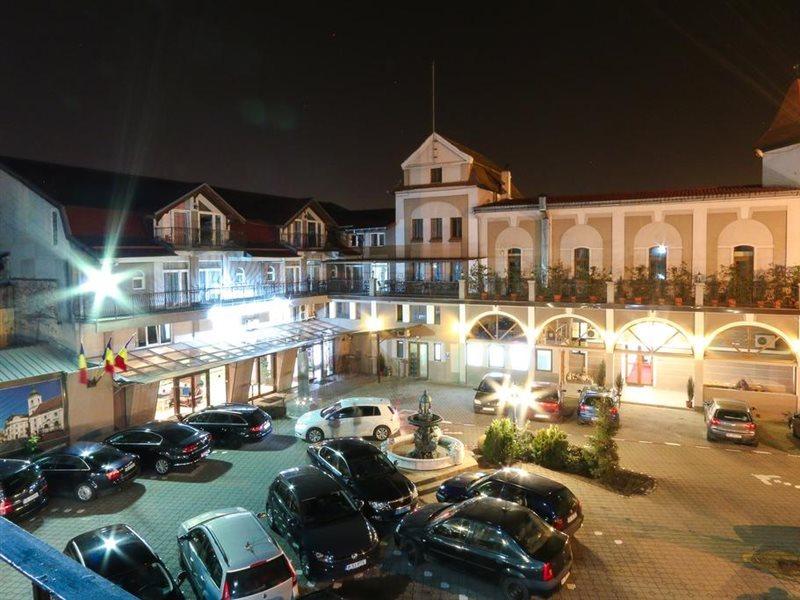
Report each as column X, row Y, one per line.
column 418, row 359
column 639, row 369
column 217, row 385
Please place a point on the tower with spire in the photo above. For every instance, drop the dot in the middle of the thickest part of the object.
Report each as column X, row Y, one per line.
column 779, row 146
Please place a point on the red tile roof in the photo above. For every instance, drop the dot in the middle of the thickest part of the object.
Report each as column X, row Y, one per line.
column 785, row 128
column 48, row 405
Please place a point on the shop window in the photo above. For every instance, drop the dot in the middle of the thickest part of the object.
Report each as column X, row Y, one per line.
column 520, row 357
column 401, row 349
column 497, row 356
column 262, row 380
column 137, row 281
column 153, row 334
column 437, row 351
column 544, row 360
column 455, row 229
column 475, row 355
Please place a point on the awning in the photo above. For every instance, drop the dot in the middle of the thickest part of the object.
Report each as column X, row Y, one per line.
column 422, row 259
column 25, row 362
column 146, row 365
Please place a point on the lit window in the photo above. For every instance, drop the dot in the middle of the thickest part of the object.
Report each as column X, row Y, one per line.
column 658, row 261
column 475, row 355
column 137, row 281
column 544, row 360
column 401, row 349
column 497, row 355
column 581, row 258
column 437, row 351
column 271, row 275
column 238, row 276
column 520, row 357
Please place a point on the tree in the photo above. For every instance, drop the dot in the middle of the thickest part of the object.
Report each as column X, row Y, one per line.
column 601, row 374
column 602, row 443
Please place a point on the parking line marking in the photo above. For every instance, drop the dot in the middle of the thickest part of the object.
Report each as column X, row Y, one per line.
column 732, row 450
column 80, row 510
column 444, row 585
column 645, row 442
column 703, row 447
column 598, row 533
column 761, row 452
column 671, row 443
column 618, row 542
column 428, row 574
column 463, row 597
column 618, row 439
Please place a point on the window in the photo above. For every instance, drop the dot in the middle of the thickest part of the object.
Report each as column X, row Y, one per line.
column 437, row 351
column 581, row 258
column 744, row 260
column 262, row 379
column 417, row 271
column 497, row 356
column 489, row 538
column 475, row 355
column 657, row 256
column 453, row 529
column 436, row 230
column 520, row 357
column 419, row 313
column 54, row 224
column 455, row 228
column 416, row 230
column 401, row 349
column 357, row 310
column 456, row 271
column 271, row 274
column 436, row 317
column 378, row 239
column 399, row 309
column 515, row 268
column 436, row 175
column 137, row 281
column 544, row 360
column 153, row 334
column 437, row 271
column 342, row 310
column 238, row 276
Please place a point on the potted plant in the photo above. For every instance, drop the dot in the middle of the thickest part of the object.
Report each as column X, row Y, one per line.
column 597, row 283
column 779, row 284
column 712, row 289
column 761, row 289
column 640, row 283
column 477, row 280
column 689, row 392
column 680, row 283
column 621, row 290
column 601, row 374
column 514, row 284
column 619, row 383
column 556, row 276
column 733, row 284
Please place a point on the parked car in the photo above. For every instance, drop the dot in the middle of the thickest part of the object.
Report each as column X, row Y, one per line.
column 228, row 554
column 232, row 424
column 23, row 488
column 731, row 420
column 587, row 404
column 87, row 469
column 322, row 522
column 491, row 538
column 362, row 417
column 163, row 445
column 551, row 500
column 794, row 424
column 488, row 394
column 121, row 555
column 367, row 474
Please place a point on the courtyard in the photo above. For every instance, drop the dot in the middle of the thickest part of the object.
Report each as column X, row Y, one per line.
column 722, row 521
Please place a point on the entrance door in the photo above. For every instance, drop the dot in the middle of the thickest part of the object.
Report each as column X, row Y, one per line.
column 175, row 286
column 206, row 229
column 639, row 369
column 217, row 388
column 380, row 271
column 418, row 359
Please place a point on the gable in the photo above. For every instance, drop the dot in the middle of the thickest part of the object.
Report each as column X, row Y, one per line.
column 436, row 150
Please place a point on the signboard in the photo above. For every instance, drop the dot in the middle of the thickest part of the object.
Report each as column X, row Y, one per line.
column 31, row 412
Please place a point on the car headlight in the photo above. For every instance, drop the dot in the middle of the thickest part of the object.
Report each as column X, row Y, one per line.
column 324, row 557
column 379, row 506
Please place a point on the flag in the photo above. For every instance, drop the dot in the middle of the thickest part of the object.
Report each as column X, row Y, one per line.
column 109, row 358
column 121, row 361
column 83, row 367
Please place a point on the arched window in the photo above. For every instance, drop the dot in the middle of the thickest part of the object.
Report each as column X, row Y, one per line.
column 498, row 328
column 137, row 281
column 271, row 273
column 657, row 260
column 744, row 260
column 238, row 276
column 514, row 265
column 580, row 257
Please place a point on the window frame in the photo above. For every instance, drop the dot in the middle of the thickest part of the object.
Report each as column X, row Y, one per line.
column 417, row 226
column 544, row 352
column 137, row 276
column 436, row 175
column 453, row 222
column 436, row 229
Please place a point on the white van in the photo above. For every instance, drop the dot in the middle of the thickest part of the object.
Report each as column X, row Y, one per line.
column 350, row 417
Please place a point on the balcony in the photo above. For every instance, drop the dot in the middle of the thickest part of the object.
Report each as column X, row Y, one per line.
column 391, row 287
column 192, row 237
column 304, row 241
column 137, row 304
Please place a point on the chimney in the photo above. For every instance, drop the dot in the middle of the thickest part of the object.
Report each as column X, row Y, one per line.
column 506, row 178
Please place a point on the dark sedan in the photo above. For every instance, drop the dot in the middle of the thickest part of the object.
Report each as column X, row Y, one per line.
column 322, row 522
column 119, row 554
column 163, row 445
column 87, row 469
column 367, row 474
column 549, row 499
column 490, row 538
column 23, row 489
column 232, row 424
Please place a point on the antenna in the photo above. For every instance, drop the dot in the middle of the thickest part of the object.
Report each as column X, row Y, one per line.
column 433, row 96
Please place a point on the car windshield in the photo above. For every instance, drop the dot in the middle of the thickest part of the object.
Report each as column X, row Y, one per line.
column 546, row 397
column 148, row 582
column 733, row 415
column 327, row 412
column 563, row 502
column 327, row 508
column 490, row 384
column 178, row 434
column 370, row 465
column 256, row 417
column 102, row 456
column 259, row 578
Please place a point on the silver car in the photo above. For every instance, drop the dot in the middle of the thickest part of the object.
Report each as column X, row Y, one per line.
column 228, row 554
column 730, row 420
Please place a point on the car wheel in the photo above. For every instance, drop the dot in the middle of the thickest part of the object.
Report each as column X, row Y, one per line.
column 515, row 589
column 382, row 432
column 234, row 442
column 413, row 552
column 314, row 435
column 162, row 466
column 84, row 492
column 710, row 437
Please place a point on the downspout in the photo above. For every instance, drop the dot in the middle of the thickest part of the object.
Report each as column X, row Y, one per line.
column 544, row 237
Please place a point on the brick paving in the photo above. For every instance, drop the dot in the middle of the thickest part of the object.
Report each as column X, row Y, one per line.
column 696, row 536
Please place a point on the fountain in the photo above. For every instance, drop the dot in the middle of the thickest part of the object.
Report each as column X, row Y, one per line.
column 427, row 448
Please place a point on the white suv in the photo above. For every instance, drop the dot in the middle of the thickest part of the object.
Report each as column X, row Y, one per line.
column 350, row 417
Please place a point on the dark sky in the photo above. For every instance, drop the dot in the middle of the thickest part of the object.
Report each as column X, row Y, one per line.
column 327, row 99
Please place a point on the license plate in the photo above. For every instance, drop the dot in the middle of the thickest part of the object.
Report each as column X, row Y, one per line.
column 734, row 435
column 564, row 579
column 401, row 510
column 129, row 466
column 30, row 498
column 572, row 517
column 355, row 565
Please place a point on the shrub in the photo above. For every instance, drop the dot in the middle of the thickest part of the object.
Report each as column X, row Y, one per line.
column 602, row 444
column 547, row 447
column 601, row 374
column 500, row 445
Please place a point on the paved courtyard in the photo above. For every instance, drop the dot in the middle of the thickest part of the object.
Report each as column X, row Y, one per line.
column 723, row 521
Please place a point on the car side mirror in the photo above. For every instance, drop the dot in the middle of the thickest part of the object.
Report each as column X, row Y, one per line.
column 183, row 538
column 261, row 515
column 181, row 578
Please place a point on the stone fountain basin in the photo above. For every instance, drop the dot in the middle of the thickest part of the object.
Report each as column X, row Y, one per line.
column 450, row 452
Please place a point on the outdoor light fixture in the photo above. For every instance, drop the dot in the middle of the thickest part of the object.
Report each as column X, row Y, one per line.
column 102, row 282
column 373, row 323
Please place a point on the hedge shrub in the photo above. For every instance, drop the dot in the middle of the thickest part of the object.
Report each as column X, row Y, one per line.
column 500, row 445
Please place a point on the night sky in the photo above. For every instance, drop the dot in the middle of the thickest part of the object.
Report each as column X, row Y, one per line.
column 327, row 99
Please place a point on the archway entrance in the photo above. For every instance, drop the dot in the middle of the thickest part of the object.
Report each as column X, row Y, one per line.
column 496, row 342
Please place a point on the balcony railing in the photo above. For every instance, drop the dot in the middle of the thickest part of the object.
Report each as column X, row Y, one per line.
column 348, row 286
column 436, row 289
column 304, row 241
column 85, row 308
column 193, row 237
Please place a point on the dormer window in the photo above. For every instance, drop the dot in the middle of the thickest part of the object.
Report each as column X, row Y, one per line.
column 436, row 175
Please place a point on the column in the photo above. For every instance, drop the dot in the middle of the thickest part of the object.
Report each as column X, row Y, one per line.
column 462, row 343
column 699, row 233
column 617, row 243
column 699, row 353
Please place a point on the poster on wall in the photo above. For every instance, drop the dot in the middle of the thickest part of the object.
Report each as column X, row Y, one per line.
column 33, row 411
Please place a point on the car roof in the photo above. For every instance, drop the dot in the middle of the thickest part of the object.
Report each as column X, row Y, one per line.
column 495, row 375
column 350, row 446
column 79, row 448
column 493, row 511
column 242, row 538
column 528, row 481
column 357, row 401
column 128, row 552
column 12, row 465
column 240, row 408
column 308, row 481
column 156, row 426
column 732, row 404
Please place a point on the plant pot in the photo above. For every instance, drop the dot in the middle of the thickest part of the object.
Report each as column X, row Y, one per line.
column 731, row 302
column 760, row 303
column 638, row 300
column 688, row 403
column 593, row 299
column 661, row 301
column 678, row 301
column 715, row 302
column 777, row 303
column 514, row 296
column 573, row 299
column 540, row 298
column 484, row 295
column 556, row 297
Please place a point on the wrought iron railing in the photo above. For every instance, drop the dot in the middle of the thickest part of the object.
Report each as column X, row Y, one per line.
column 195, row 237
column 437, row 289
column 304, row 241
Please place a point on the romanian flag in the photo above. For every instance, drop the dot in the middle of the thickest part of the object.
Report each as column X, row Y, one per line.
column 109, row 358
column 121, row 361
column 83, row 367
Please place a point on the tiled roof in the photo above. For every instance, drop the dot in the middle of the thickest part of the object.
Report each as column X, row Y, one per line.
column 371, row 217
column 24, row 362
column 785, row 128
column 52, row 404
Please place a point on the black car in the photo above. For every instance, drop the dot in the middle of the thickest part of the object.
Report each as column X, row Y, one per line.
column 232, row 424
column 87, row 469
column 367, row 474
column 794, row 424
column 490, row 538
column 119, row 554
column 551, row 500
column 163, row 445
column 23, row 488
column 322, row 522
